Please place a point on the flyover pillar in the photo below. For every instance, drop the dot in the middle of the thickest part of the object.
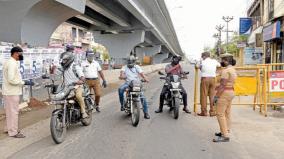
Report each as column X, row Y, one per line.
column 33, row 21
column 159, row 58
column 120, row 45
column 147, row 51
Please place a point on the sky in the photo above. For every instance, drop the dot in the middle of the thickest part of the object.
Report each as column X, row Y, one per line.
column 195, row 21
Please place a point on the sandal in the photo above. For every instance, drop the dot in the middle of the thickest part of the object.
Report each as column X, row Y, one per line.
column 19, row 135
column 221, row 139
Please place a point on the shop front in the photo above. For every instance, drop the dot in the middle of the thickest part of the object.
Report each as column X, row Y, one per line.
column 273, row 42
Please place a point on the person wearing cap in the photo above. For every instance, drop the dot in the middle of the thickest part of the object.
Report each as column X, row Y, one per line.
column 224, row 96
column 173, row 68
column 129, row 73
column 12, row 89
column 92, row 70
column 208, row 69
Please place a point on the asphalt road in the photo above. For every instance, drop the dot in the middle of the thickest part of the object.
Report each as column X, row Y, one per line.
column 111, row 135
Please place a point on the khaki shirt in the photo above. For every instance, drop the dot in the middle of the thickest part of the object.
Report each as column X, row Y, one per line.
column 230, row 74
column 12, row 80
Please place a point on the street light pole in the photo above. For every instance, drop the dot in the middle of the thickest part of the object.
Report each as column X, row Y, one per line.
column 227, row 20
column 219, row 28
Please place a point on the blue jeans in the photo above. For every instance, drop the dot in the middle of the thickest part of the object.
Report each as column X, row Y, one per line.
column 121, row 91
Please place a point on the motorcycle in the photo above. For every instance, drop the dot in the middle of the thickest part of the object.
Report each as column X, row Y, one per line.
column 173, row 97
column 67, row 110
column 132, row 101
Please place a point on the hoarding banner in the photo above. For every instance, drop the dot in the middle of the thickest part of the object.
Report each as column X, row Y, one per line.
column 253, row 56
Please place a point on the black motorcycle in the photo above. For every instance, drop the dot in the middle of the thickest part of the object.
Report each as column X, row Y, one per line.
column 173, row 97
column 67, row 109
column 132, row 103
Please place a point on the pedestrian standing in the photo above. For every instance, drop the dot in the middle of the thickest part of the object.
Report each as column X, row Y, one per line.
column 12, row 89
column 91, row 69
column 208, row 69
column 224, row 96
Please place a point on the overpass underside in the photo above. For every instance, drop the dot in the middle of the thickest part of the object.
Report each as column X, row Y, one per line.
column 122, row 26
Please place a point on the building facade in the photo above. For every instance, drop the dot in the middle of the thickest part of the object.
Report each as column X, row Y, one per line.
column 267, row 29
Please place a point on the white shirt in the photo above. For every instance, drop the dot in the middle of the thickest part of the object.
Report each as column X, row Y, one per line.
column 12, row 80
column 133, row 73
column 209, row 67
column 91, row 69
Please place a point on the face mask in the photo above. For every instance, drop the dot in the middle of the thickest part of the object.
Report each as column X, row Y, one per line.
column 175, row 62
column 223, row 64
column 130, row 65
column 90, row 59
column 21, row 57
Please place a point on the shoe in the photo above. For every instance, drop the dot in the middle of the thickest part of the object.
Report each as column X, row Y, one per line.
column 202, row 114
column 146, row 116
column 212, row 114
column 185, row 109
column 84, row 115
column 221, row 139
column 19, row 135
column 160, row 110
column 98, row 109
column 122, row 109
column 218, row 134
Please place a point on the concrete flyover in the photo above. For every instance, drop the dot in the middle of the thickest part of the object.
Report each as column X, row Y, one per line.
column 144, row 27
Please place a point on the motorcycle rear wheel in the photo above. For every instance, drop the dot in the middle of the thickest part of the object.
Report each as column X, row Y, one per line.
column 57, row 129
column 135, row 115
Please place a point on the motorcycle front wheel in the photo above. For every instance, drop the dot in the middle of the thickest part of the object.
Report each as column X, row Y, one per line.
column 135, row 115
column 57, row 129
column 176, row 107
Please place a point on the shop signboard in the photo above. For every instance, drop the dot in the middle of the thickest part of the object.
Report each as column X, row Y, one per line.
column 272, row 31
column 245, row 26
column 253, row 56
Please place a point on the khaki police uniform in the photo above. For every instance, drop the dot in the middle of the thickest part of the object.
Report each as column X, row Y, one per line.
column 225, row 100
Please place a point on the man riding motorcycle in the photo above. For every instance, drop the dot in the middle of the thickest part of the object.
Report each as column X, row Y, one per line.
column 129, row 73
column 73, row 74
column 173, row 69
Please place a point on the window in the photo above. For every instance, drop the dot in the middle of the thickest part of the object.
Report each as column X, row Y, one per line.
column 270, row 9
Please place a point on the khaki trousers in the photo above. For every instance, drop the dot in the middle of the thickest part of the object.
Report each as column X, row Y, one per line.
column 95, row 88
column 207, row 88
column 224, row 111
column 11, row 104
column 80, row 98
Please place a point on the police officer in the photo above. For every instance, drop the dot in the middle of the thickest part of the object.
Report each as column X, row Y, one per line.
column 224, row 96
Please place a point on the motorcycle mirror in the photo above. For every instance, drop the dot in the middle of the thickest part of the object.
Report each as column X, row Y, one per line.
column 186, row 73
column 161, row 73
column 45, row 77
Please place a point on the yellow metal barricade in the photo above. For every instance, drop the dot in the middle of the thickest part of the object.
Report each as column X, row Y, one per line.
column 251, row 81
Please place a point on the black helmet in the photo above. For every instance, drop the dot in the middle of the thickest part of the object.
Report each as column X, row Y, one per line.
column 69, row 48
column 66, row 59
column 176, row 59
column 131, row 60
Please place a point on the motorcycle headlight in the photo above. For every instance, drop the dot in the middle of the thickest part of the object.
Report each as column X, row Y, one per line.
column 175, row 85
column 136, row 89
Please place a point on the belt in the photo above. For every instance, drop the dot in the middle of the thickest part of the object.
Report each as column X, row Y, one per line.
column 207, row 77
column 91, row 78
